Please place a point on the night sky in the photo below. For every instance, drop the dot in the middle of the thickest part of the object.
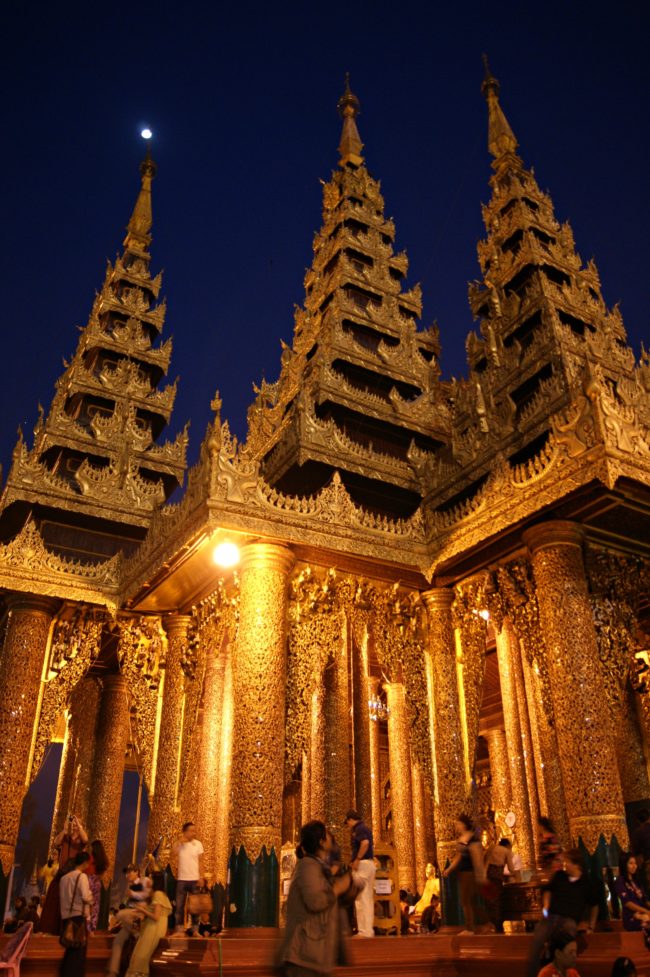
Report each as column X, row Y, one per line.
column 242, row 100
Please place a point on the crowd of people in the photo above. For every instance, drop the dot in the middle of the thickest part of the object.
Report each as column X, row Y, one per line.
column 327, row 899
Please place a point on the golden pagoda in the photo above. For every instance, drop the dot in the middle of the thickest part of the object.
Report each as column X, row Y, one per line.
column 441, row 596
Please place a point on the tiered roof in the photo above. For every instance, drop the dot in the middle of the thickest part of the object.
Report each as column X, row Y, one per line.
column 95, row 454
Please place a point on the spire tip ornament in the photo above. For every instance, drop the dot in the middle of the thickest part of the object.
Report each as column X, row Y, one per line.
column 501, row 138
column 349, row 107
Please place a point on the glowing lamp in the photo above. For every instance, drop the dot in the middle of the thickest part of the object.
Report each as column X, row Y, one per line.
column 226, row 554
column 146, row 133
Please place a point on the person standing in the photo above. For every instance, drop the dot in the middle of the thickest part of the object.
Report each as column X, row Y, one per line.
column 69, row 843
column 497, row 857
column 468, row 862
column 363, row 862
column 187, row 857
column 97, row 865
column 138, row 893
column 313, row 939
column 76, row 901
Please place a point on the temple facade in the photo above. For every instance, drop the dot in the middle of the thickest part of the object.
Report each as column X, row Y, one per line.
column 438, row 592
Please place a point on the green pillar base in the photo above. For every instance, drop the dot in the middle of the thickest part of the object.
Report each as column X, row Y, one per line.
column 254, row 892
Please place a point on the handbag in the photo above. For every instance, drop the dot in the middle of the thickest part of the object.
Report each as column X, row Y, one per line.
column 73, row 935
column 198, row 903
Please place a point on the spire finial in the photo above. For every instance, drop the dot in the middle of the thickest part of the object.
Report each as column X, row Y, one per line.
column 501, row 138
column 141, row 218
column 349, row 108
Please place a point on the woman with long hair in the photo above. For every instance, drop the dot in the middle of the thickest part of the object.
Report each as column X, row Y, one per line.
column 97, row 865
column 636, row 912
column 313, row 940
column 155, row 920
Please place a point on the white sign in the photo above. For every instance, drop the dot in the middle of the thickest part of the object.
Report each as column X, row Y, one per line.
column 383, row 887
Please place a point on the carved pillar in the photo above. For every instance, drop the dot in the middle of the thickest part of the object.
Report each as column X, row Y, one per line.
column 629, row 749
column 525, row 729
column 419, row 826
column 210, row 755
column 591, row 781
column 337, row 739
column 165, row 813
column 499, row 770
column 317, row 748
column 21, row 669
column 259, row 685
column 75, row 772
column 449, row 757
column 508, row 657
column 223, row 816
column 399, row 758
column 111, row 740
column 362, row 723
column 375, row 770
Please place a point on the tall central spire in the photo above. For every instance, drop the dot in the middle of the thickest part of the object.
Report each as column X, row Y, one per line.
column 501, row 138
column 349, row 108
column 141, row 218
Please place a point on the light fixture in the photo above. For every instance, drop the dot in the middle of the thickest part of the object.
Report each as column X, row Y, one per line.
column 226, row 554
column 377, row 708
column 485, row 615
column 146, row 133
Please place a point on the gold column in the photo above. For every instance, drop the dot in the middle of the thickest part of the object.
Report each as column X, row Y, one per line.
column 449, row 756
column 111, row 740
column 526, row 731
column 629, row 749
column 362, row 723
column 210, row 755
column 375, row 770
column 223, row 816
column 592, row 785
column 508, row 656
column 419, row 826
column 317, row 748
column 165, row 812
column 75, row 772
column 21, row 668
column 337, row 739
column 499, row 770
column 259, row 685
column 399, row 758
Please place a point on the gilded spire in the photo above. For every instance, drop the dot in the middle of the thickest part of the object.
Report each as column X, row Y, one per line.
column 501, row 138
column 141, row 218
column 349, row 108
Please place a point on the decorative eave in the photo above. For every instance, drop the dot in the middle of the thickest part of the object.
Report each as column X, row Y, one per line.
column 27, row 566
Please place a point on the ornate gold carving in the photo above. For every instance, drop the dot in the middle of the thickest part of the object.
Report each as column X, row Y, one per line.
column 75, row 645
column 259, row 676
column 75, row 775
column 21, row 667
column 591, row 782
column 112, row 737
column 400, row 784
column 140, row 653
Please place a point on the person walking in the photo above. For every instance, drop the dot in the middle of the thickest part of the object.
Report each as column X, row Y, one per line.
column 76, row 902
column 187, row 857
column 69, row 843
column 138, row 894
column 313, row 942
column 155, row 918
column 363, row 863
column 550, row 849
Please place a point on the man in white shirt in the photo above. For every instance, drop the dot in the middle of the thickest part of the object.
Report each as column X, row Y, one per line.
column 138, row 894
column 187, row 859
column 76, row 900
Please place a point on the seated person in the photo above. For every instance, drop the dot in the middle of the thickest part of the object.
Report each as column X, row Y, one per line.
column 138, row 895
column 564, row 951
column 636, row 911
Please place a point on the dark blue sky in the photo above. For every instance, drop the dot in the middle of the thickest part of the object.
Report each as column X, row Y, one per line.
column 242, row 100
